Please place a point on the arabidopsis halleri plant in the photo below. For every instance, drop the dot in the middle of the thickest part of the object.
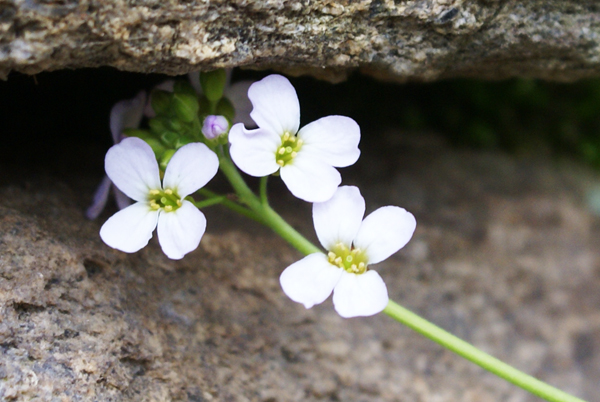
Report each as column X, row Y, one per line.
column 124, row 114
column 132, row 167
column 353, row 245
column 306, row 159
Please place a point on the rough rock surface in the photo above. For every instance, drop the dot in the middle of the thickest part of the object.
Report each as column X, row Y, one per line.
column 401, row 39
column 505, row 256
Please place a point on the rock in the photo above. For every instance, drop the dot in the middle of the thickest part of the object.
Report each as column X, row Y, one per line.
column 505, row 256
column 399, row 40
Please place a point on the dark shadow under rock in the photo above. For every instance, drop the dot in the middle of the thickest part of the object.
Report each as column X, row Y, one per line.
column 505, row 256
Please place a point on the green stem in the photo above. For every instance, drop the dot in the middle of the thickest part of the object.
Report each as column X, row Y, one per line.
column 476, row 356
column 263, row 190
column 269, row 217
column 233, row 206
column 209, row 202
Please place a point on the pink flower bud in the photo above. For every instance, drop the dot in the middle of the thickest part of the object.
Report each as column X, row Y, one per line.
column 214, row 126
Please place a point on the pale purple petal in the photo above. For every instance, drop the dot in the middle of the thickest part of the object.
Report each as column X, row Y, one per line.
column 132, row 167
column 338, row 219
column 192, row 166
column 131, row 228
column 360, row 295
column 214, row 126
column 334, row 139
column 122, row 200
column 253, row 151
column 310, row 179
column 180, row 231
column 126, row 114
column 310, row 280
column 100, row 198
column 275, row 105
column 238, row 95
column 385, row 231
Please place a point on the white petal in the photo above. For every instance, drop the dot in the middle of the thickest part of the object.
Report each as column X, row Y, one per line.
column 180, row 231
column 126, row 114
column 253, row 151
column 333, row 139
column 192, row 166
column 309, row 179
column 276, row 106
column 132, row 167
column 100, row 198
column 238, row 95
column 384, row 232
column 131, row 228
column 310, row 280
column 338, row 219
column 360, row 295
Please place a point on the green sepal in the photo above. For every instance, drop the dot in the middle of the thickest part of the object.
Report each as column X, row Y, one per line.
column 213, row 84
column 165, row 158
column 186, row 106
column 170, row 138
column 184, row 87
column 161, row 102
column 159, row 125
column 184, row 140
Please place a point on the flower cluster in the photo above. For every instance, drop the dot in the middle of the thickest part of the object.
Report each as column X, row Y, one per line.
column 306, row 159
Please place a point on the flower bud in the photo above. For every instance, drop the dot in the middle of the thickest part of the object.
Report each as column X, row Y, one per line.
column 213, row 84
column 186, row 106
column 160, row 101
column 214, row 126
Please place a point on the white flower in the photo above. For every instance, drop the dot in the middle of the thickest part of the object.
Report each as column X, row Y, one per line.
column 354, row 244
column 132, row 167
column 305, row 158
column 124, row 114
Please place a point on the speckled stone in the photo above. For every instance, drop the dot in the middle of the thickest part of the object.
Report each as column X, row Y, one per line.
column 400, row 40
column 505, row 255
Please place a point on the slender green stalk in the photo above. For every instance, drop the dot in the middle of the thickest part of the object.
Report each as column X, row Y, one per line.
column 476, row 356
column 233, row 206
column 209, row 202
column 269, row 217
column 263, row 190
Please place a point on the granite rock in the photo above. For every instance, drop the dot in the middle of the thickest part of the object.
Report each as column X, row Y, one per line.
column 400, row 40
column 505, row 256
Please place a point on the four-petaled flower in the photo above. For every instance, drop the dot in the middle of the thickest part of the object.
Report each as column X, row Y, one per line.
column 353, row 245
column 306, row 159
column 132, row 167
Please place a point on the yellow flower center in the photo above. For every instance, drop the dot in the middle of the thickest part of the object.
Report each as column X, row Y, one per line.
column 167, row 200
column 353, row 260
column 287, row 151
